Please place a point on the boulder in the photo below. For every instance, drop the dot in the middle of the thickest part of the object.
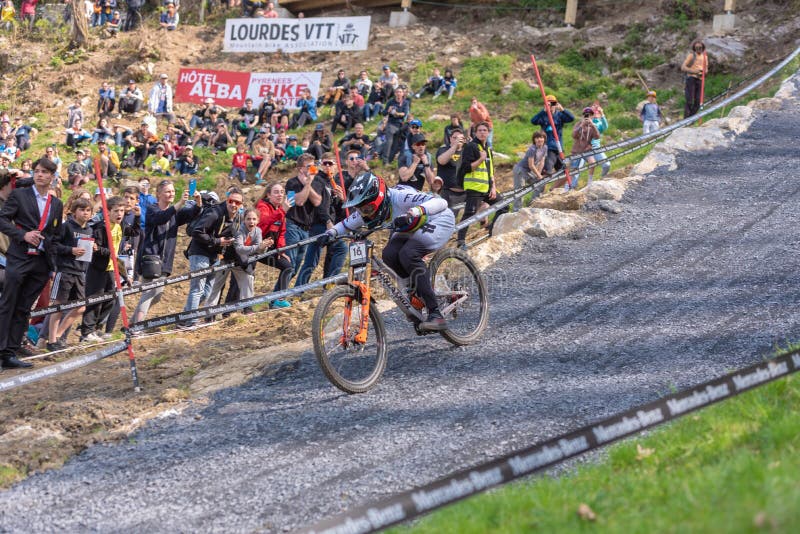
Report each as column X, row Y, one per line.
column 790, row 89
column 538, row 222
column 571, row 201
column 654, row 159
column 490, row 251
column 604, row 190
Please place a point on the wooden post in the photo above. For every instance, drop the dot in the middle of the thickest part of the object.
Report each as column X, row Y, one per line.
column 730, row 6
column 405, row 4
column 571, row 13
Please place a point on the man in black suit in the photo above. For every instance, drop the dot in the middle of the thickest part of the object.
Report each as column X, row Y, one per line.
column 31, row 218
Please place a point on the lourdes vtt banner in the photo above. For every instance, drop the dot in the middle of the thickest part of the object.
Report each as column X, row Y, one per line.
column 331, row 34
column 230, row 89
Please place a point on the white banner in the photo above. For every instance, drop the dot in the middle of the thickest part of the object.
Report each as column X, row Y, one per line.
column 331, row 34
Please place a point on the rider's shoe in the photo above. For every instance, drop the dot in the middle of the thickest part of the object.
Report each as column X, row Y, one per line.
column 435, row 322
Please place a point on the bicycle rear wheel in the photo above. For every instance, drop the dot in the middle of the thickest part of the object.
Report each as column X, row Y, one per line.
column 461, row 293
column 350, row 366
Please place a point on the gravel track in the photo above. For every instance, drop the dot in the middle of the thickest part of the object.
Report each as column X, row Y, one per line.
column 697, row 276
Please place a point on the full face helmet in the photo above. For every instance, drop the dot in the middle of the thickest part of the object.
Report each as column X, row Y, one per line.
column 369, row 196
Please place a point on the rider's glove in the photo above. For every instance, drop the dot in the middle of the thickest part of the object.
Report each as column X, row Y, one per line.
column 402, row 222
column 415, row 212
column 327, row 237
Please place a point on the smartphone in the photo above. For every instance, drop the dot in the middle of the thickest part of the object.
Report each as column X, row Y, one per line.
column 290, row 198
column 192, row 187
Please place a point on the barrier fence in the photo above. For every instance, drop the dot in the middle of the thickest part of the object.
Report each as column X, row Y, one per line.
column 468, row 482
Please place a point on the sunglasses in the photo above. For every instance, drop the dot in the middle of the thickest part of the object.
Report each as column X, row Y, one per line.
column 414, row 126
column 234, row 202
column 328, row 163
column 353, row 158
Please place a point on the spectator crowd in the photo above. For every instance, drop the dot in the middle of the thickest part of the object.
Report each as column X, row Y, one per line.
column 55, row 252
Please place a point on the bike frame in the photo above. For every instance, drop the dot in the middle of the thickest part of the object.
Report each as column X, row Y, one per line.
column 360, row 277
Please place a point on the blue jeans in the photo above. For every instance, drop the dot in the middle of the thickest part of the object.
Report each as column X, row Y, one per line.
column 295, row 234
column 199, row 288
column 334, row 258
column 311, row 257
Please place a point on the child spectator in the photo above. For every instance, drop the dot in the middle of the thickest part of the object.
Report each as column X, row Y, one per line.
column 272, row 222
column 113, row 24
column 74, row 112
column 363, row 84
column 432, row 85
column 239, row 164
column 157, row 163
column 307, row 110
column 601, row 123
column 100, row 276
column 78, row 172
column 169, row 18
column 374, row 105
column 339, row 88
column 530, row 168
column 321, row 141
column 105, row 104
column 7, row 15
column 28, row 11
column 22, row 133
column 70, row 279
column 77, row 134
column 263, row 154
column 651, row 114
column 448, row 85
column 293, row 150
column 583, row 134
column 102, row 131
column 248, row 242
column 280, row 117
column 109, row 161
column 187, row 163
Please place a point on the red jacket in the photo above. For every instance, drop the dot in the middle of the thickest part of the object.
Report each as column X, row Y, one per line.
column 272, row 223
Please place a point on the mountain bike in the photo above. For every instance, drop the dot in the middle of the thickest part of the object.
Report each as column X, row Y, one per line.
column 348, row 329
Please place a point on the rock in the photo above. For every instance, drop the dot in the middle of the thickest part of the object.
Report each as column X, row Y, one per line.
column 491, row 250
column 611, row 206
column 439, row 117
column 725, row 50
column 790, row 89
column 531, row 31
column 506, row 89
column 538, row 222
column 434, row 32
column 654, row 159
column 571, row 201
column 394, row 45
column 604, row 190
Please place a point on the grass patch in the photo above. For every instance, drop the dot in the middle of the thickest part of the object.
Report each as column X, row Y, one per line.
column 729, row 468
column 9, row 475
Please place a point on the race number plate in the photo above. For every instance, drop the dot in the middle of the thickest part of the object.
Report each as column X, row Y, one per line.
column 358, row 254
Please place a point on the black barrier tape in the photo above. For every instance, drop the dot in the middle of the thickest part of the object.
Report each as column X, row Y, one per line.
column 62, row 367
column 208, row 311
column 447, row 490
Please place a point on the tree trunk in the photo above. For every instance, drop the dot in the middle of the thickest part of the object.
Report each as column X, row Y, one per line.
column 80, row 25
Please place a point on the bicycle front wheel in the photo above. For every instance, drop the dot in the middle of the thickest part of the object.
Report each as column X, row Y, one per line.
column 461, row 293
column 350, row 364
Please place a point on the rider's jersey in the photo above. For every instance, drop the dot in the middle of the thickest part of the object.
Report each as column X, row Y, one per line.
column 403, row 198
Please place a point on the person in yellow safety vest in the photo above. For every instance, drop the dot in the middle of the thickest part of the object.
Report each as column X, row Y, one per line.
column 476, row 175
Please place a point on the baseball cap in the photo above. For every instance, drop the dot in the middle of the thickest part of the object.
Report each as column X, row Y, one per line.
column 385, row 67
column 6, row 155
column 588, row 111
column 188, row 147
column 163, row 76
column 80, row 151
column 551, row 98
column 418, row 138
column 319, row 126
column 131, row 81
column 415, row 122
column 292, row 138
column 651, row 93
column 208, row 100
column 159, row 147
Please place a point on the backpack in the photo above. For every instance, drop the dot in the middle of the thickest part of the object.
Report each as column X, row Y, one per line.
column 208, row 203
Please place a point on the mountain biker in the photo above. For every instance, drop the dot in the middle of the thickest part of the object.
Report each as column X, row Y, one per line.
column 422, row 225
